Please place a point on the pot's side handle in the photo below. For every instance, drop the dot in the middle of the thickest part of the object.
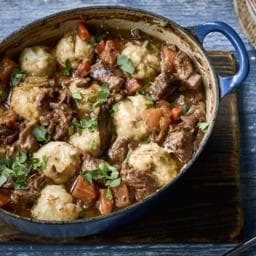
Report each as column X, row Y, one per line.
column 227, row 84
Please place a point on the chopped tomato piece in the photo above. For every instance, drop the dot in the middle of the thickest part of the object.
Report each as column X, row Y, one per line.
column 132, row 85
column 104, row 205
column 83, row 69
column 121, row 195
column 82, row 31
column 83, row 190
column 100, row 47
column 4, row 199
column 176, row 113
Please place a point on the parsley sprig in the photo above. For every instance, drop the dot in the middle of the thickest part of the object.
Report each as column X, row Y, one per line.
column 18, row 168
column 68, row 68
column 78, row 126
column 105, row 174
column 17, row 76
column 40, row 134
column 203, row 126
column 125, row 64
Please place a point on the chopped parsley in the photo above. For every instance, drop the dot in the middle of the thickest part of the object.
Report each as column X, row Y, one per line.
column 3, row 95
column 148, row 45
column 68, row 68
column 125, row 64
column 100, row 37
column 149, row 102
column 203, row 126
column 77, row 96
column 115, row 108
column 184, row 109
column 101, row 96
column 105, row 174
column 18, row 168
column 92, row 41
column 89, row 124
column 146, row 141
column 17, row 76
column 82, row 214
column 40, row 133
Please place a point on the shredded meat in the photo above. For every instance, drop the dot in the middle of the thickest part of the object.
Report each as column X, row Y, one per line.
column 183, row 65
column 57, row 120
column 106, row 74
column 180, row 138
column 43, row 99
column 163, row 86
column 108, row 52
column 118, row 150
column 26, row 141
column 143, row 183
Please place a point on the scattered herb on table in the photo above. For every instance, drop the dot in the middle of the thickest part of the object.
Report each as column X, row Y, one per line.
column 125, row 64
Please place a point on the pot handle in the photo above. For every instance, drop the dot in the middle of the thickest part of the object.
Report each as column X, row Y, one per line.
column 227, row 84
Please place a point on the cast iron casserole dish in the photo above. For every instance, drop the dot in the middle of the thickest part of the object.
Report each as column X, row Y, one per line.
column 188, row 40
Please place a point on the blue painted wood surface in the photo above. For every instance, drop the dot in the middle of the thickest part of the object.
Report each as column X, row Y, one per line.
column 16, row 13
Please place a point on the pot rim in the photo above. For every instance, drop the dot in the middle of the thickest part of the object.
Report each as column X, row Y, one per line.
column 186, row 167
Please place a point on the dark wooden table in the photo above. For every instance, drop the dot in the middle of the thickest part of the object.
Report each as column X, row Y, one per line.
column 16, row 13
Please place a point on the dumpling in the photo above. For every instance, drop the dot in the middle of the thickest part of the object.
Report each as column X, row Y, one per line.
column 128, row 118
column 38, row 61
column 24, row 97
column 84, row 104
column 87, row 142
column 152, row 158
column 71, row 47
column 63, row 160
column 55, row 204
column 147, row 63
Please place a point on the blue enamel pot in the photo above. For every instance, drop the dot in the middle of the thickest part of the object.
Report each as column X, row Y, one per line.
column 187, row 39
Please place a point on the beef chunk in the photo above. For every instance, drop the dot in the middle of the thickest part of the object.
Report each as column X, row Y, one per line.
column 43, row 99
column 132, row 86
column 168, row 53
column 107, row 52
column 26, row 141
column 118, row 150
column 163, row 86
column 181, row 137
column 142, row 183
column 183, row 65
column 106, row 74
column 9, row 127
column 57, row 120
column 121, row 196
column 90, row 162
column 192, row 83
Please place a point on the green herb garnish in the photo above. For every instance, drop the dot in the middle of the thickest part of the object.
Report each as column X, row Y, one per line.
column 17, row 76
column 18, row 168
column 148, row 45
column 40, row 133
column 77, row 96
column 101, row 97
column 125, row 64
column 184, row 109
column 149, row 102
column 3, row 95
column 105, row 174
column 203, row 126
column 89, row 124
column 109, row 194
column 68, row 68
column 115, row 108
column 82, row 214
column 146, row 141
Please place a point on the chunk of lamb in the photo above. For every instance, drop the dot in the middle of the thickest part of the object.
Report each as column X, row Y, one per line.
column 168, row 54
column 121, row 196
column 183, row 65
column 164, row 85
column 192, row 83
column 118, row 150
column 142, row 183
column 107, row 52
column 106, row 74
column 181, row 137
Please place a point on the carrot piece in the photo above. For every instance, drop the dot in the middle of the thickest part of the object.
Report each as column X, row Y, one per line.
column 176, row 113
column 104, row 205
column 152, row 118
column 132, row 85
column 82, row 31
column 4, row 199
column 83, row 190
column 83, row 69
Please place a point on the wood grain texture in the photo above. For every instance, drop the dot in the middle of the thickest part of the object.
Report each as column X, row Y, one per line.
column 15, row 13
